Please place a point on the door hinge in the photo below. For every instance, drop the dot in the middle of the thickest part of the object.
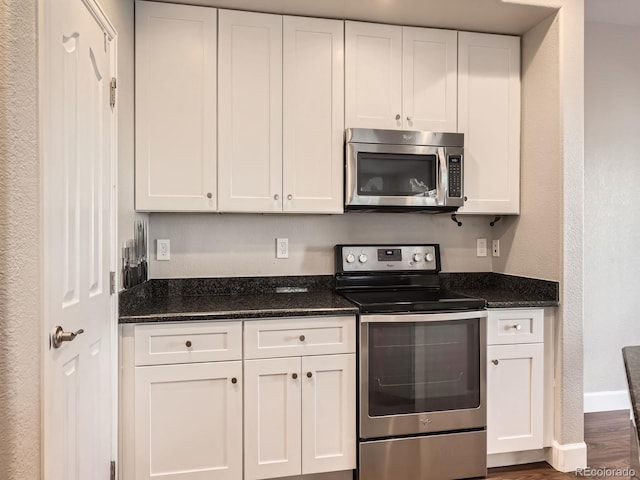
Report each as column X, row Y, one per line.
column 112, row 97
column 112, row 475
column 112, row 282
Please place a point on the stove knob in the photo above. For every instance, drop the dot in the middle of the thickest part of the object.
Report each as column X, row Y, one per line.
column 351, row 258
column 429, row 257
column 417, row 257
column 362, row 258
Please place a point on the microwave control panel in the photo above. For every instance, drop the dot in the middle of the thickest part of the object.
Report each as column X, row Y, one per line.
column 455, row 176
column 376, row 258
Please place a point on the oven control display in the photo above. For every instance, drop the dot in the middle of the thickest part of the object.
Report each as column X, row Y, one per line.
column 389, row 255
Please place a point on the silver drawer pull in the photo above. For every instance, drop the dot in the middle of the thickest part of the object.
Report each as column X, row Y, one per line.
column 517, row 327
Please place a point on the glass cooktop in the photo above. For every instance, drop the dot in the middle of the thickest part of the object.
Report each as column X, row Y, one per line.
column 412, row 300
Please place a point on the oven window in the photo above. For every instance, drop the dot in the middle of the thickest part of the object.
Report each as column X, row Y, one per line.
column 396, row 175
column 423, row 367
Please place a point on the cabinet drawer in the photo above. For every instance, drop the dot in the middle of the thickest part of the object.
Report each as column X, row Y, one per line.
column 294, row 337
column 515, row 326
column 187, row 343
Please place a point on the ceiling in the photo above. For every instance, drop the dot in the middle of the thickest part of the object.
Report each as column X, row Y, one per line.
column 472, row 15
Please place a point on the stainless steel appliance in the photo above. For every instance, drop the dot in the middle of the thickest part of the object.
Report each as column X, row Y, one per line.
column 422, row 351
column 401, row 170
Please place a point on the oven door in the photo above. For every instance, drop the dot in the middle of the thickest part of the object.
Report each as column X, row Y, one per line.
column 415, row 176
column 422, row 373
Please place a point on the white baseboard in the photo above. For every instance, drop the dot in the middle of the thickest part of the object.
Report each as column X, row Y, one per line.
column 568, row 457
column 606, row 401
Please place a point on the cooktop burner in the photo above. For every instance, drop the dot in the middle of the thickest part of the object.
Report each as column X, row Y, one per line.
column 396, row 279
column 379, row 301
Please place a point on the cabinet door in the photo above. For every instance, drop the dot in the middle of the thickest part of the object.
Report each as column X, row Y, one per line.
column 188, row 421
column 175, row 107
column 489, row 117
column 373, row 75
column 250, row 112
column 313, row 117
column 514, row 397
column 429, row 79
column 272, row 418
column 328, row 413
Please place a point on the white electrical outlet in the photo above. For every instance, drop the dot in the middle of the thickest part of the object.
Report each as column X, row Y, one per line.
column 481, row 247
column 495, row 248
column 282, row 248
column 163, row 249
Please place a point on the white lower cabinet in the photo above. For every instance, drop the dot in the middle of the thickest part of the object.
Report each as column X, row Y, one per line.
column 299, row 415
column 515, row 381
column 188, row 421
column 192, row 409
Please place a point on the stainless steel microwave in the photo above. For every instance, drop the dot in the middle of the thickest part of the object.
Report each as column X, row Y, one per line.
column 400, row 170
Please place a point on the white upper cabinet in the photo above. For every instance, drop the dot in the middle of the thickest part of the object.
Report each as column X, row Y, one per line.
column 175, row 107
column 400, row 77
column 280, row 85
column 429, row 80
column 250, row 112
column 313, row 117
column 489, row 117
column 373, row 75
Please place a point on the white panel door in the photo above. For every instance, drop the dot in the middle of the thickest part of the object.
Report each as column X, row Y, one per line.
column 328, row 413
column 272, row 418
column 79, row 197
column 188, row 421
column 175, row 107
column 313, row 115
column 373, row 75
column 430, row 79
column 489, row 117
column 515, row 395
column 249, row 112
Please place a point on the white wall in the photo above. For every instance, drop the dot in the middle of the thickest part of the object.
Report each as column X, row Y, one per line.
column 221, row 245
column 20, row 327
column 612, row 197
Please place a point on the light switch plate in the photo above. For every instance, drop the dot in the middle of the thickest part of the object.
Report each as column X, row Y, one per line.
column 282, row 248
column 481, row 247
column 163, row 249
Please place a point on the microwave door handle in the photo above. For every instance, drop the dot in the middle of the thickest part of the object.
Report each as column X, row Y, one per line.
column 442, row 175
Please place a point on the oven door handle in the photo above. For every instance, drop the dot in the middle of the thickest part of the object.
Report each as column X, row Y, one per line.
column 423, row 317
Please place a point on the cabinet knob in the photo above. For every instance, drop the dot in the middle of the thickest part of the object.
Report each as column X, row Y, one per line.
column 398, row 117
column 289, row 197
column 495, row 362
column 294, row 375
column 276, row 196
column 209, row 195
column 309, row 374
column 302, row 338
column 408, row 119
column 517, row 327
column 234, row 380
column 188, row 343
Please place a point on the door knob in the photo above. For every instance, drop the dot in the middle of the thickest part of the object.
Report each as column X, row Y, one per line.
column 58, row 336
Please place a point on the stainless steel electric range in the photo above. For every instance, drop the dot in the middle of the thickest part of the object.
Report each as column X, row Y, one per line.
column 421, row 399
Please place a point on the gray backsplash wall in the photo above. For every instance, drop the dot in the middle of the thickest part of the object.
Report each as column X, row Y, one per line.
column 225, row 245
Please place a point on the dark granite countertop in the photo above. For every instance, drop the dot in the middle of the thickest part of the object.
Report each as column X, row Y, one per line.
column 504, row 291
column 163, row 300
column 232, row 298
column 631, row 357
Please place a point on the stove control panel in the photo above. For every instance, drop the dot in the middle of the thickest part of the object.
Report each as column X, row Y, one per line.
column 380, row 258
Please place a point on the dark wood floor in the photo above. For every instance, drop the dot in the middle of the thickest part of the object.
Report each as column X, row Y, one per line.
column 607, row 437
